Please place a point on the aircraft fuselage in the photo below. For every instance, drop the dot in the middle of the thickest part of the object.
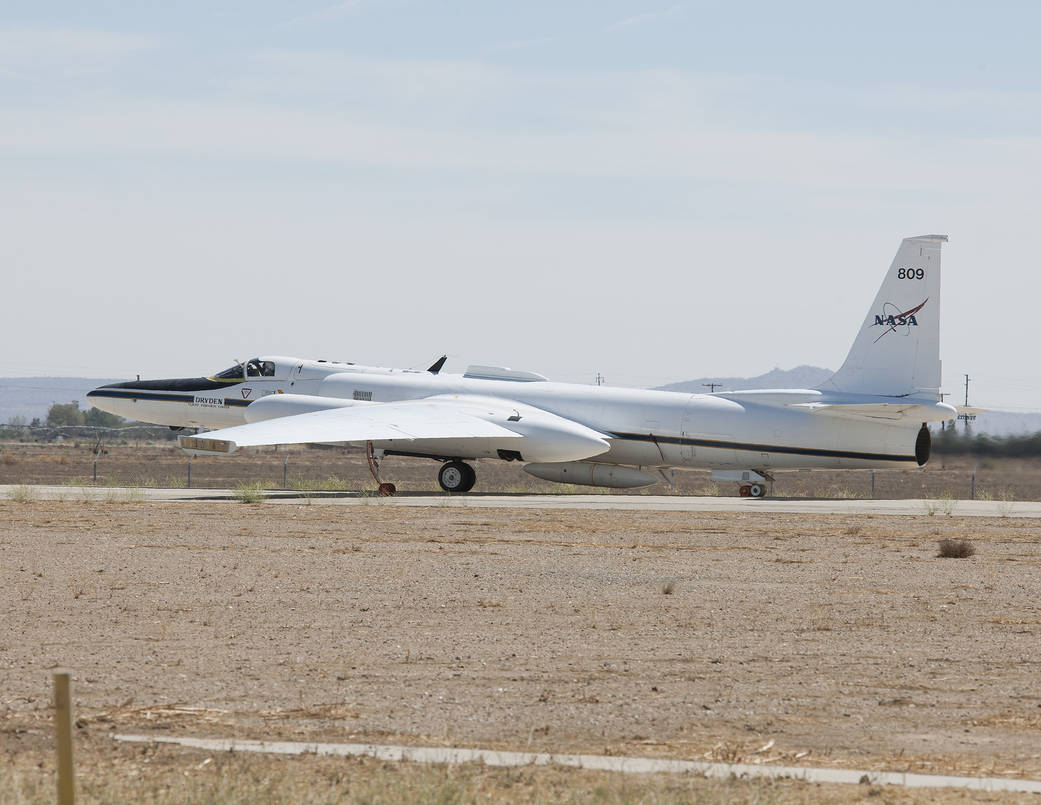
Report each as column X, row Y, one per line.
column 643, row 427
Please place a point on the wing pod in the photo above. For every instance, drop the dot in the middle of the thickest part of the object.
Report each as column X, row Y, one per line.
column 589, row 473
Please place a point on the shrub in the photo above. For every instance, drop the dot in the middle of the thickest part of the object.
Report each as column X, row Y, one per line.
column 249, row 493
column 956, row 548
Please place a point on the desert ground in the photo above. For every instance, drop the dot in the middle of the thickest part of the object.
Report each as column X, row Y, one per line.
column 823, row 640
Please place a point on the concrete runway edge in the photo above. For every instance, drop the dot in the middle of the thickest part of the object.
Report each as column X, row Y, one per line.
column 928, row 507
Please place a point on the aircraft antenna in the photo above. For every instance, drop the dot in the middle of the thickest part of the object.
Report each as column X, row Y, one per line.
column 712, row 387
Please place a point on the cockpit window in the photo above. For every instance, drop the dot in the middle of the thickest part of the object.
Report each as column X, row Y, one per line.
column 252, row 368
column 234, row 373
column 259, row 368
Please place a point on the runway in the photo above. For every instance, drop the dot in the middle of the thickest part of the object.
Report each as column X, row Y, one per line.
column 674, row 503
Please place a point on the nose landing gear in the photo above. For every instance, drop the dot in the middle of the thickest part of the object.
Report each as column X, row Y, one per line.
column 456, row 477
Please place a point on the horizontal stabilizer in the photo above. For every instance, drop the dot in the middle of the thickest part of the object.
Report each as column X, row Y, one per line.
column 894, row 412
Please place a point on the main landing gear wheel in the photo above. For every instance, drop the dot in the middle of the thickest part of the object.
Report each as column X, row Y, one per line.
column 456, row 477
column 752, row 490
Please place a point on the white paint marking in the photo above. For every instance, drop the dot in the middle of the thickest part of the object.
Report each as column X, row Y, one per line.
column 630, row 765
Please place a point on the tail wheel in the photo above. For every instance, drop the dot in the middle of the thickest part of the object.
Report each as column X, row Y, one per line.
column 456, row 477
column 756, row 491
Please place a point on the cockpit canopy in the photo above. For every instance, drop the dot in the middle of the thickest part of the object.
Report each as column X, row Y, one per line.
column 254, row 367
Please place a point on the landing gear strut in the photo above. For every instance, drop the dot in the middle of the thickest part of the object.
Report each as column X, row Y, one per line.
column 456, row 477
column 385, row 489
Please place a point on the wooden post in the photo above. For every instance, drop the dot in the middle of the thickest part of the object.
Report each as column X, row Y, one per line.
column 63, row 732
column 189, row 470
column 285, row 466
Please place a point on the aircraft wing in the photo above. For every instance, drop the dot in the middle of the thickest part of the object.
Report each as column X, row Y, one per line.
column 457, row 421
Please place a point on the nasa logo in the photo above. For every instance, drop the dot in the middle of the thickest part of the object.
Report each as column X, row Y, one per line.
column 891, row 318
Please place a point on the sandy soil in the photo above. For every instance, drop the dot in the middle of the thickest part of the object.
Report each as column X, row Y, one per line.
column 841, row 640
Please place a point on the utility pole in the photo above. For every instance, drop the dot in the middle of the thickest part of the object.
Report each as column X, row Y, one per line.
column 966, row 418
column 712, row 387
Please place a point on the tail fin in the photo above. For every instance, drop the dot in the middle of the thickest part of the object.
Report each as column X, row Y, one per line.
column 897, row 350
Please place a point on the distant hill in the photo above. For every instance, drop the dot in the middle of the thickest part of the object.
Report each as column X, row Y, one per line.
column 801, row 377
column 31, row 397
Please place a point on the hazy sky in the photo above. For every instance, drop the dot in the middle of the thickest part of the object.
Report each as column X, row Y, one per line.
column 651, row 191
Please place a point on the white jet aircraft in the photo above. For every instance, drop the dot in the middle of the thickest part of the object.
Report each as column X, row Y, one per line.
column 872, row 413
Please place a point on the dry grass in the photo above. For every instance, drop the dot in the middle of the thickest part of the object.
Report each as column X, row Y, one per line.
column 123, row 496
column 956, row 548
column 22, row 494
column 330, row 484
column 944, row 504
column 249, row 493
column 161, row 775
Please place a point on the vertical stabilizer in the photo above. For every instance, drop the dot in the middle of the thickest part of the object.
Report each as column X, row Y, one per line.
column 897, row 350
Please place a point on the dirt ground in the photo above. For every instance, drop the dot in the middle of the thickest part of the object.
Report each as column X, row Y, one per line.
column 815, row 640
column 166, row 465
